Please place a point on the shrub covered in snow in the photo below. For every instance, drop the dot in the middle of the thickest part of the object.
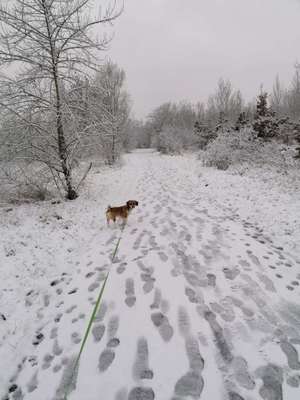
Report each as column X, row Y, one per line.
column 244, row 147
column 25, row 181
column 229, row 148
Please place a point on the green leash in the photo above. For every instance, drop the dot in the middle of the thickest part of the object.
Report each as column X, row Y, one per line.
column 95, row 309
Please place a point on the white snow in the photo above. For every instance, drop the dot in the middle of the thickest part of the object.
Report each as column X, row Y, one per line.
column 212, row 257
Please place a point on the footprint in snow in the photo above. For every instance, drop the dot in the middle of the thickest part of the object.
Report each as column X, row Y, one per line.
column 192, row 295
column 56, row 349
column 105, row 360
column 241, row 373
column 108, row 354
column 290, row 288
column 53, row 333
column 33, row 383
column 141, row 393
column 147, row 277
column 121, row 268
column 46, row 300
column 101, row 312
column 71, row 309
column 272, row 377
column 141, row 368
column 196, row 361
column 253, row 258
column 231, row 273
column 130, row 292
column 211, row 280
column 184, row 323
column 163, row 257
column 190, row 384
column 161, row 321
column 291, row 354
column 56, row 368
column 269, row 285
column 47, row 360
column 93, row 286
column 157, row 299
column 75, row 337
column 98, row 332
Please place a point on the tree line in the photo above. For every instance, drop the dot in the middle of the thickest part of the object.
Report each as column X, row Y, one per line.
column 173, row 127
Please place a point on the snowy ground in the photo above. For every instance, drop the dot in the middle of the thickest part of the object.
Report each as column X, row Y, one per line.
column 202, row 301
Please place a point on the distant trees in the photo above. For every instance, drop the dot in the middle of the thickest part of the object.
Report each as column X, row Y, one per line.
column 51, row 46
column 174, row 127
column 171, row 127
column 199, row 124
column 226, row 129
column 135, row 135
column 278, row 98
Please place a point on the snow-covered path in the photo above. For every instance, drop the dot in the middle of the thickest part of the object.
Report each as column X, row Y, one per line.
column 199, row 304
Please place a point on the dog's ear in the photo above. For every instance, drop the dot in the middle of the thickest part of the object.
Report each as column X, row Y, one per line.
column 136, row 203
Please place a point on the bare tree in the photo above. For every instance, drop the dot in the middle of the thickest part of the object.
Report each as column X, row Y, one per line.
column 223, row 96
column 277, row 97
column 111, row 107
column 48, row 43
column 224, row 105
column 236, row 105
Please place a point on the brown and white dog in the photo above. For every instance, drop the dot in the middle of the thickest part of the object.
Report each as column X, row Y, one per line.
column 122, row 212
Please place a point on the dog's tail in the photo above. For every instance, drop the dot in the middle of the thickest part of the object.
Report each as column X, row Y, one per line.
column 108, row 207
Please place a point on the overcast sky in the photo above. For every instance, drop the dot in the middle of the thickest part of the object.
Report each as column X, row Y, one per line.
column 176, row 50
